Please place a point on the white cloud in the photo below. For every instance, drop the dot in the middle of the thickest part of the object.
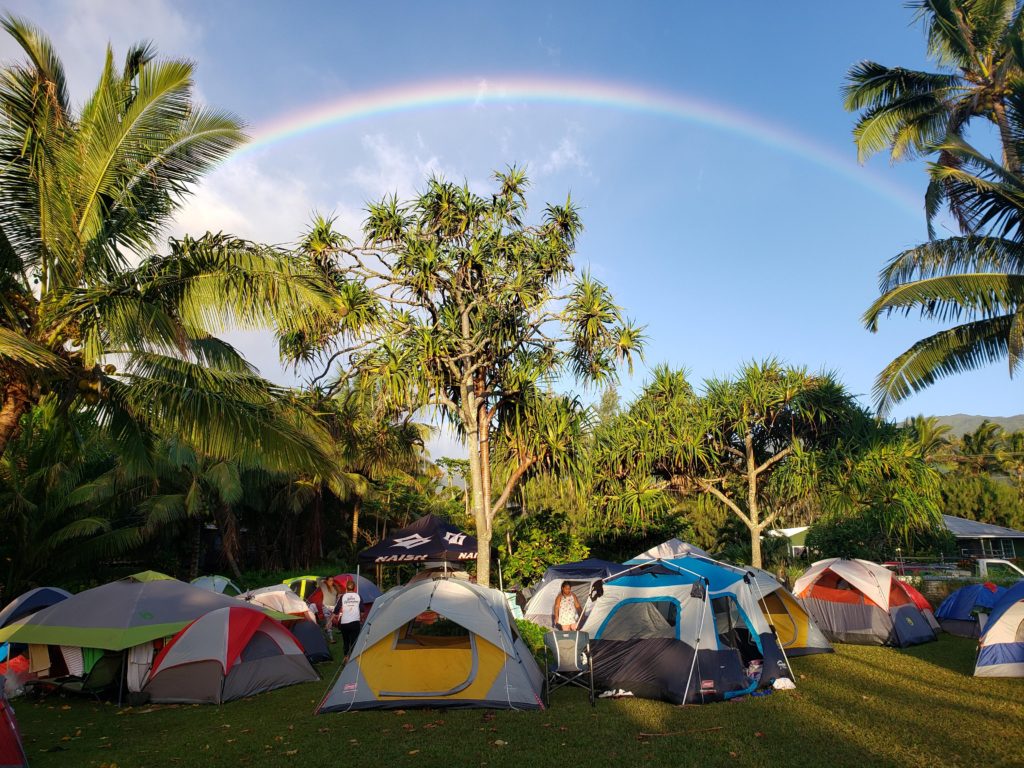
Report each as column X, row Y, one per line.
column 482, row 88
column 242, row 199
column 566, row 155
column 393, row 169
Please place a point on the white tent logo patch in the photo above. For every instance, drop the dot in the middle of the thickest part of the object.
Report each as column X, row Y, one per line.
column 412, row 541
column 458, row 539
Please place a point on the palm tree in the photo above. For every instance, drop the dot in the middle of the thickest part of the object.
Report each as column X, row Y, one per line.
column 931, row 437
column 908, row 112
column 975, row 279
column 980, row 450
column 51, row 528
column 373, row 443
column 1011, row 460
column 83, row 199
column 978, row 47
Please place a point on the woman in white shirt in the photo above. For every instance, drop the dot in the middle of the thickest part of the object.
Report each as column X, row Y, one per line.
column 348, row 623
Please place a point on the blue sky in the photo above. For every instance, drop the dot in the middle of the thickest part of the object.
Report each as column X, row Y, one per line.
column 727, row 247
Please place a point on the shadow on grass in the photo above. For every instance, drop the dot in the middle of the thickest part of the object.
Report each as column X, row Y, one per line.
column 857, row 707
column 956, row 654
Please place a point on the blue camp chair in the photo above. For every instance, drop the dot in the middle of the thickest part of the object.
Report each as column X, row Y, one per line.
column 567, row 661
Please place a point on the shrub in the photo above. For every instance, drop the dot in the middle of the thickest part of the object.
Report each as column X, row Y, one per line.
column 533, row 636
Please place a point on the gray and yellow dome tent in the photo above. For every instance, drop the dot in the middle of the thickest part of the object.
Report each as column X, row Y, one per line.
column 438, row 643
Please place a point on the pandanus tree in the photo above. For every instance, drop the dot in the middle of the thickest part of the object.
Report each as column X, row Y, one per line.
column 88, row 315
column 730, row 442
column 456, row 306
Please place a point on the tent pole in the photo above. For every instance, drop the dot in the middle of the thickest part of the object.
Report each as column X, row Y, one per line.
column 696, row 646
column 120, row 682
column 771, row 623
column 501, row 584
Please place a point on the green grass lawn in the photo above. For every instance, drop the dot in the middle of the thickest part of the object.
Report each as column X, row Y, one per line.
column 857, row 707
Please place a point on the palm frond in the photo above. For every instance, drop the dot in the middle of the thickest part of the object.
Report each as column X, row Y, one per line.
column 956, row 350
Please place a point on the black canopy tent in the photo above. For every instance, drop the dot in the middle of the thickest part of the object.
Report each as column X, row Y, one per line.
column 429, row 539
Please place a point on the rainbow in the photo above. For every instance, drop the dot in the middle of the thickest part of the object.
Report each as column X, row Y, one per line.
column 625, row 97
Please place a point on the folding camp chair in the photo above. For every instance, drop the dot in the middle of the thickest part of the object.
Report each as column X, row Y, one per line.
column 567, row 662
column 105, row 675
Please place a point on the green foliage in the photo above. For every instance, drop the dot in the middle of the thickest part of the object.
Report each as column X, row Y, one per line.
column 862, row 536
column 533, row 636
column 847, row 537
column 456, row 305
column 543, row 539
column 88, row 314
column 983, row 498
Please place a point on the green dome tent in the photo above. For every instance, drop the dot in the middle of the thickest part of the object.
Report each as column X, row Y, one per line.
column 120, row 615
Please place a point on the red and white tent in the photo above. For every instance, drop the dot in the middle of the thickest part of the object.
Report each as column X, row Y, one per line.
column 227, row 654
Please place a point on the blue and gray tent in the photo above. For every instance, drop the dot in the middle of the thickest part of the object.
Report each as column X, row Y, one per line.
column 25, row 605
column 688, row 630
column 960, row 612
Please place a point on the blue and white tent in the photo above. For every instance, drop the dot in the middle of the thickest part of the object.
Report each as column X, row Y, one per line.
column 687, row 630
column 1001, row 647
column 961, row 612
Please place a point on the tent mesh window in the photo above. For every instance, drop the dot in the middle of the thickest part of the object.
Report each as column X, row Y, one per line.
column 432, row 630
column 642, row 619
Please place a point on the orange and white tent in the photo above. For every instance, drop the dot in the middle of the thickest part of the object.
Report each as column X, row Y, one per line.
column 856, row 601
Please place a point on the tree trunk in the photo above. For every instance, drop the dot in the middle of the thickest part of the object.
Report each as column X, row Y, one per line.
column 17, row 401
column 752, row 511
column 478, row 501
column 355, row 520
column 197, row 544
column 755, row 547
column 228, row 528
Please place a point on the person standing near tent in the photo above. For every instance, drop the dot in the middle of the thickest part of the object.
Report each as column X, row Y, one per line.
column 328, row 607
column 567, row 609
column 349, row 622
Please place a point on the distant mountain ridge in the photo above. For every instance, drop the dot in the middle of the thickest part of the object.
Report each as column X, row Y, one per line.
column 962, row 423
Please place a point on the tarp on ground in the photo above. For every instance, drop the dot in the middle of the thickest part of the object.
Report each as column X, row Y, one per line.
column 118, row 615
column 429, row 538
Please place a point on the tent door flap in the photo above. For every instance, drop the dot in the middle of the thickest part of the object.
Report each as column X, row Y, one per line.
column 451, row 691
